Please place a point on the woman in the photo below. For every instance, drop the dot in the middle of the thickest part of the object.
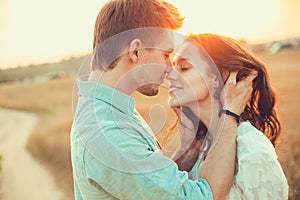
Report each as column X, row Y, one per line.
column 196, row 85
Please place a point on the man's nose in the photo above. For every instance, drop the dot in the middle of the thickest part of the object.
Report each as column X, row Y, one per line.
column 168, row 66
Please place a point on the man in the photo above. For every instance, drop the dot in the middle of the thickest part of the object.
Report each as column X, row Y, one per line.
column 114, row 153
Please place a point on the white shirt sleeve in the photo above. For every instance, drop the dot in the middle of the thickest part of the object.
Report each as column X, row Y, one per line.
column 259, row 175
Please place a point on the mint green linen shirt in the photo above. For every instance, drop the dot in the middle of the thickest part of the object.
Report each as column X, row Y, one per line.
column 115, row 155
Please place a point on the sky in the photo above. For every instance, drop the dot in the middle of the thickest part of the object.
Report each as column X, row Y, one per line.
column 37, row 31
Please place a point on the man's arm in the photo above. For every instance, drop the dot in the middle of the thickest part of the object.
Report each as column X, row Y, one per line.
column 186, row 158
column 128, row 170
column 188, row 150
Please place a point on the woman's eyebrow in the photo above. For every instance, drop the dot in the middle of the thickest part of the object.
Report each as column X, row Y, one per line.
column 180, row 59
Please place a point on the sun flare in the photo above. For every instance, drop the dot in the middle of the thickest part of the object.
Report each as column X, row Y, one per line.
column 36, row 31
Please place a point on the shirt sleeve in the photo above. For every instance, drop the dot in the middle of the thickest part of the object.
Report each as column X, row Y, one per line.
column 126, row 166
column 260, row 175
column 77, row 193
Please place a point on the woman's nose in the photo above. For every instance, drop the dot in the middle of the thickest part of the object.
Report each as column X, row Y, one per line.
column 172, row 75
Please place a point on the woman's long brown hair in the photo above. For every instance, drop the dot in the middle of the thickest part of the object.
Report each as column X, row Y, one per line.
column 229, row 56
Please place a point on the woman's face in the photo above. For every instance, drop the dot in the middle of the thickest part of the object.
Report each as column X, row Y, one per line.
column 190, row 78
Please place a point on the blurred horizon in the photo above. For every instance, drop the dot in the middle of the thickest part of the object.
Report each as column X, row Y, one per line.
column 35, row 32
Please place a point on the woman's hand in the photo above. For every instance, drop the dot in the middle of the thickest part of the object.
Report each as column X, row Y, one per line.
column 235, row 95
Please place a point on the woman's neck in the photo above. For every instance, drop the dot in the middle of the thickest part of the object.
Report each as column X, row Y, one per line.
column 206, row 111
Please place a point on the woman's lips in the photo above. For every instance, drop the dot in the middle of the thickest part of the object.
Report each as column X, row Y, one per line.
column 174, row 88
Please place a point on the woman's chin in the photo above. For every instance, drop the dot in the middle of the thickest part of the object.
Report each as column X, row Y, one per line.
column 173, row 102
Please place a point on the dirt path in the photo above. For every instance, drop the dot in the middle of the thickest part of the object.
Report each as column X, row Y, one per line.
column 22, row 176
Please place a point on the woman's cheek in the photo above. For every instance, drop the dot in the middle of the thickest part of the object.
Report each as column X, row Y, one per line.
column 199, row 88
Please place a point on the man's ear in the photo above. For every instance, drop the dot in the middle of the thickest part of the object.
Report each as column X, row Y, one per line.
column 134, row 51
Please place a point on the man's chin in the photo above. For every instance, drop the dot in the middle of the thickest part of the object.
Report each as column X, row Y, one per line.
column 152, row 92
column 148, row 91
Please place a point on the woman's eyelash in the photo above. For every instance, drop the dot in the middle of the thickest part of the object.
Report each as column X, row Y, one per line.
column 183, row 67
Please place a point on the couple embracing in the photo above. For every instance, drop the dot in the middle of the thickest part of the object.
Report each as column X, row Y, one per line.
column 220, row 92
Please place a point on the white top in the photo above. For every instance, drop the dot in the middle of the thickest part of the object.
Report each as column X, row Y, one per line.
column 259, row 175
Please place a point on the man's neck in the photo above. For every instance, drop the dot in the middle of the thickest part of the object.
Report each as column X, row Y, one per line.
column 115, row 78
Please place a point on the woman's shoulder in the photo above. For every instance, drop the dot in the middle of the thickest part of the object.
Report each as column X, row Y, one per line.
column 246, row 127
column 247, row 130
column 252, row 141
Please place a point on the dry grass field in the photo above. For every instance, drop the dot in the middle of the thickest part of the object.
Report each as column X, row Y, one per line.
column 49, row 142
column 52, row 101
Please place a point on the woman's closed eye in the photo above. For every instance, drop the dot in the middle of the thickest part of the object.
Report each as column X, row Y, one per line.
column 183, row 67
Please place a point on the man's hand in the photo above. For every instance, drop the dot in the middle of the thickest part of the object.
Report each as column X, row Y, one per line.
column 186, row 128
column 235, row 95
column 188, row 151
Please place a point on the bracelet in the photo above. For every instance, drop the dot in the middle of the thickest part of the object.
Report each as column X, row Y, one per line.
column 228, row 112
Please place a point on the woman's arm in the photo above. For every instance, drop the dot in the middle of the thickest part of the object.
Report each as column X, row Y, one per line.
column 218, row 167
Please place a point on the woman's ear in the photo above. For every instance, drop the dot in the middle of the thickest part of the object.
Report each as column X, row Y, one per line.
column 215, row 81
column 134, row 51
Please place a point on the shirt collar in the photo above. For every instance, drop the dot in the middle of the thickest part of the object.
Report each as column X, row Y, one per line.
column 104, row 93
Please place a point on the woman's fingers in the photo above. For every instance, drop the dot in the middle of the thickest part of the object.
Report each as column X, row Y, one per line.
column 252, row 75
column 248, row 80
column 232, row 77
column 185, row 116
column 235, row 95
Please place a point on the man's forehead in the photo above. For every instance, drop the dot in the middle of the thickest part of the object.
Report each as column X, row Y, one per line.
column 156, row 38
column 166, row 42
